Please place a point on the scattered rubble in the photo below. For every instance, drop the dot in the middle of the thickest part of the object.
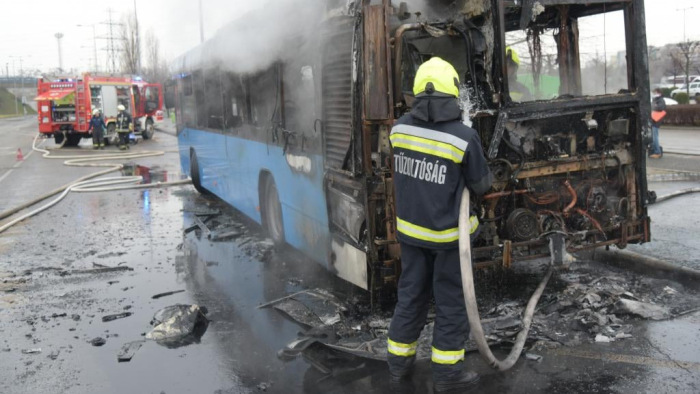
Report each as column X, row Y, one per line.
column 31, row 351
column 116, row 316
column 167, row 293
column 98, row 341
column 178, row 325
column 128, row 351
column 642, row 309
column 585, row 304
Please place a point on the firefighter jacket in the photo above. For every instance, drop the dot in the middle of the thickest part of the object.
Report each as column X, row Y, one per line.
column 123, row 121
column 97, row 123
column 435, row 157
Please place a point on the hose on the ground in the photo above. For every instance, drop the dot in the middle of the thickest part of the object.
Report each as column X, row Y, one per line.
column 470, row 297
column 86, row 183
column 677, row 194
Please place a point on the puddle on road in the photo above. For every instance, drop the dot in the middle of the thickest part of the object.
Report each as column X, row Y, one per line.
column 150, row 174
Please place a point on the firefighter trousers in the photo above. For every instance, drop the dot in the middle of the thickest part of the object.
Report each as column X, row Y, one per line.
column 98, row 138
column 123, row 139
column 424, row 271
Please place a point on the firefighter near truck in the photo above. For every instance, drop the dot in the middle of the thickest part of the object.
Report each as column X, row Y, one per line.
column 65, row 106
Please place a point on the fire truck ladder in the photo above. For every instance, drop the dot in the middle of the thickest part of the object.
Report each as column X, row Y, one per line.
column 81, row 110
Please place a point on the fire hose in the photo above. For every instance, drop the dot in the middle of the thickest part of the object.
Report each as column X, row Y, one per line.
column 87, row 183
column 470, row 297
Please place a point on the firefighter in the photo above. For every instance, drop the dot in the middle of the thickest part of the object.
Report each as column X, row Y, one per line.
column 435, row 157
column 124, row 127
column 518, row 91
column 97, row 126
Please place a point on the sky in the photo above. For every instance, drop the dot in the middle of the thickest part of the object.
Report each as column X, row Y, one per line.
column 28, row 28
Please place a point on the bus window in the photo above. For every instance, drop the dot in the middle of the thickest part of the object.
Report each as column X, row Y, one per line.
column 300, row 99
column 189, row 107
column 587, row 56
column 200, row 99
column 603, row 56
column 264, row 96
column 213, row 101
column 236, row 109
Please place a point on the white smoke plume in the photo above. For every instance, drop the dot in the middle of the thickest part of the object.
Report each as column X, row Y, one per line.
column 271, row 31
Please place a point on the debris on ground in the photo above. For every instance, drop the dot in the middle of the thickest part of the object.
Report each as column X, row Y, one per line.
column 603, row 338
column 98, row 270
column 642, row 309
column 178, row 325
column 116, row 316
column 98, row 341
column 54, row 354
column 128, row 350
column 31, row 351
column 228, row 234
column 533, row 357
column 584, row 304
column 167, row 293
column 312, row 308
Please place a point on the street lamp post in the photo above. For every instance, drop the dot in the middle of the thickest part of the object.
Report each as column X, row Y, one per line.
column 684, row 10
column 59, row 36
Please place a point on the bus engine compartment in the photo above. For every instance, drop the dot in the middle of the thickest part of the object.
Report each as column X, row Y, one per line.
column 569, row 158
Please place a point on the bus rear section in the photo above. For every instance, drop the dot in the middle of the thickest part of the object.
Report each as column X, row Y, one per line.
column 564, row 132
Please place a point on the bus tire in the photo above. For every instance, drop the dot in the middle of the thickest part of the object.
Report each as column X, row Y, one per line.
column 195, row 175
column 271, row 211
column 148, row 129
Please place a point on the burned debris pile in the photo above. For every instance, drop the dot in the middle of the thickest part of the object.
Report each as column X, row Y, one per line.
column 587, row 304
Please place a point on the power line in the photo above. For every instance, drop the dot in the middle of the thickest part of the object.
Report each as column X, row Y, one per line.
column 111, row 48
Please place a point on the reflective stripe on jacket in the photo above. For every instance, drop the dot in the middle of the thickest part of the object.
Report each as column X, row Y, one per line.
column 433, row 161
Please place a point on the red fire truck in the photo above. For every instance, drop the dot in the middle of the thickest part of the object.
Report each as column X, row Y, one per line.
column 65, row 105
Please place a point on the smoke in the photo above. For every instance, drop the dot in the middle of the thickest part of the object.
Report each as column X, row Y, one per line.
column 271, row 31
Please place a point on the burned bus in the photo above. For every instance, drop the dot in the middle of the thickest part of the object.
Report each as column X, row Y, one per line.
column 558, row 91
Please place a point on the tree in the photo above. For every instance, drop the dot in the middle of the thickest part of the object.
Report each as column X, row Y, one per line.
column 687, row 52
column 131, row 51
column 156, row 70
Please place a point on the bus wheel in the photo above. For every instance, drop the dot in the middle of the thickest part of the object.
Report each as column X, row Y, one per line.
column 148, row 130
column 194, row 174
column 272, row 212
column 73, row 139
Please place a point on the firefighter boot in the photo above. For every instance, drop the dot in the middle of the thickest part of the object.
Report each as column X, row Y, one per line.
column 400, row 368
column 452, row 377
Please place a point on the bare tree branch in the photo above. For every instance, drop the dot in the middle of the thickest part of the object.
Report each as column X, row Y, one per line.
column 130, row 48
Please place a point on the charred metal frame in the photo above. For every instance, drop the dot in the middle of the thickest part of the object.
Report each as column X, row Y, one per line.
column 382, row 101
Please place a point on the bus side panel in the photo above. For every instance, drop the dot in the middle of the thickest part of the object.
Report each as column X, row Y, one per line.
column 304, row 212
column 211, row 158
column 234, row 179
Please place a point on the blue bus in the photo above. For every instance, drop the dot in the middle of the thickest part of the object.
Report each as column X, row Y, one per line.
column 299, row 143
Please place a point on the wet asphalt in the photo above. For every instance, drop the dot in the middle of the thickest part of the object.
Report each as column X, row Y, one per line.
column 144, row 230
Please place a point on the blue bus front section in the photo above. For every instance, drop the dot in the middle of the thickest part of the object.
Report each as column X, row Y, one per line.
column 231, row 168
